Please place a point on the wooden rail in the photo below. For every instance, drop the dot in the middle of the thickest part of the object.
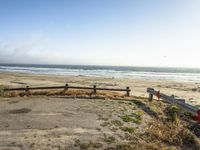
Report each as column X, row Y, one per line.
column 66, row 87
column 172, row 100
column 180, row 102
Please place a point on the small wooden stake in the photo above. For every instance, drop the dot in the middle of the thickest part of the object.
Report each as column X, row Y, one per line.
column 150, row 97
column 127, row 91
column 66, row 87
column 27, row 88
column 95, row 90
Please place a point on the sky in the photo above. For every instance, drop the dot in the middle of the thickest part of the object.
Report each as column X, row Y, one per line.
column 101, row 32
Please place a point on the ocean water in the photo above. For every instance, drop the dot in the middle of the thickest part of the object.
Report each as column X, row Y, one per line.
column 147, row 73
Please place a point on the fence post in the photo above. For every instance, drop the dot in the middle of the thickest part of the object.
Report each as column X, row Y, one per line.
column 66, row 87
column 127, row 91
column 150, row 97
column 27, row 88
column 95, row 89
column 173, row 98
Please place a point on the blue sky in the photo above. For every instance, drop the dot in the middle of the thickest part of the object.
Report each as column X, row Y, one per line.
column 101, row 32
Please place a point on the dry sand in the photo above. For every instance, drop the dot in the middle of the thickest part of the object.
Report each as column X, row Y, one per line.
column 186, row 90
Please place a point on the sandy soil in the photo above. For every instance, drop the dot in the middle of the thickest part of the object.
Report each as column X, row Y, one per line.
column 186, row 90
column 60, row 123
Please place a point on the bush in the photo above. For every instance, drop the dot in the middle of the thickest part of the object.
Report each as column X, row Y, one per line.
column 173, row 113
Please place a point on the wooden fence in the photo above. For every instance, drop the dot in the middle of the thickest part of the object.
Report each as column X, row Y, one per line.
column 66, row 87
column 180, row 102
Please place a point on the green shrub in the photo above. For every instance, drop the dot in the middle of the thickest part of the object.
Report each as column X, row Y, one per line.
column 128, row 129
column 173, row 112
column 135, row 118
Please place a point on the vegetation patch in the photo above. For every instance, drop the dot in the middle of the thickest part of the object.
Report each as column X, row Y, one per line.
column 88, row 145
column 188, row 115
column 117, row 123
column 137, row 102
column 2, row 92
column 135, row 118
column 109, row 139
column 126, row 118
column 128, row 129
column 121, row 102
column 101, row 117
column 156, row 108
column 104, row 124
column 113, row 129
column 169, row 134
column 76, row 142
column 173, row 113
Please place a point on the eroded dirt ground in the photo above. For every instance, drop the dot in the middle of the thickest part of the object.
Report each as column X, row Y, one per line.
column 63, row 123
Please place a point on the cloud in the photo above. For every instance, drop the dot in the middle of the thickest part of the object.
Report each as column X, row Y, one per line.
column 33, row 52
column 21, row 53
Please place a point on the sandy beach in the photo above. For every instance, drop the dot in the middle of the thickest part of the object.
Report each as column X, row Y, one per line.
column 186, row 90
column 59, row 122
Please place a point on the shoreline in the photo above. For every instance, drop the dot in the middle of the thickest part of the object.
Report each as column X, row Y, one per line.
column 185, row 90
column 140, row 73
column 100, row 76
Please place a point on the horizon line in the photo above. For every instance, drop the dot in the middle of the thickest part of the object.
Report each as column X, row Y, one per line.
column 137, row 66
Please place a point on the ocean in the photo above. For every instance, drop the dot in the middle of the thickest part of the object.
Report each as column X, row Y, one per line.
column 147, row 73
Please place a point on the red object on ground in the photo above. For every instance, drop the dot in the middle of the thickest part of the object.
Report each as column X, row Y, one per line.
column 197, row 118
column 158, row 95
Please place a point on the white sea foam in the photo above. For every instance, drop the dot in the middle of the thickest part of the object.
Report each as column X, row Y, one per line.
column 138, row 73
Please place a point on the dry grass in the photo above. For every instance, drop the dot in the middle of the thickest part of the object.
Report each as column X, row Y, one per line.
column 2, row 92
column 167, row 134
column 109, row 139
column 128, row 129
column 159, row 136
column 89, row 145
column 117, row 123
column 173, row 113
column 167, row 131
